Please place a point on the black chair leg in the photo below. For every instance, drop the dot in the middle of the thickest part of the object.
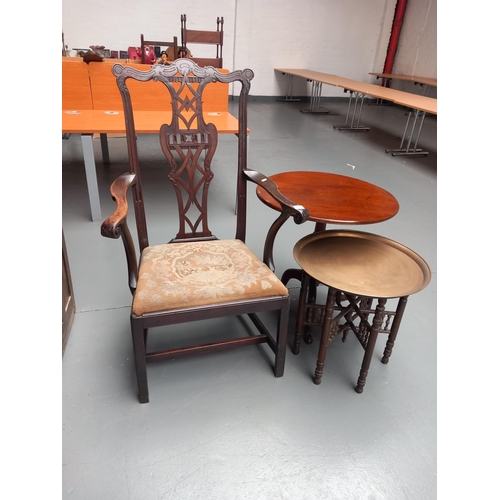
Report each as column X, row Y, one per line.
column 394, row 329
column 138, row 341
column 279, row 363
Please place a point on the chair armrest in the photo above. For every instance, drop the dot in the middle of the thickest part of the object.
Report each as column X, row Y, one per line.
column 111, row 227
column 116, row 224
column 288, row 209
column 300, row 214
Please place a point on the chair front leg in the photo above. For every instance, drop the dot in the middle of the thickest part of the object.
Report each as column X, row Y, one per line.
column 139, row 345
column 279, row 363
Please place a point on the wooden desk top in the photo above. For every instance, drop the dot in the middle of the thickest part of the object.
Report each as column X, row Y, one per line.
column 76, row 91
column 147, row 96
column 146, row 122
column 332, row 198
column 432, row 82
column 422, row 103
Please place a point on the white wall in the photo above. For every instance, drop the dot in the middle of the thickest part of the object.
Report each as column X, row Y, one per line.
column 345, row 37
column 417, row 49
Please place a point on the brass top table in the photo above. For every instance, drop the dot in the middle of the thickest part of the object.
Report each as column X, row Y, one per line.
column 358, row 268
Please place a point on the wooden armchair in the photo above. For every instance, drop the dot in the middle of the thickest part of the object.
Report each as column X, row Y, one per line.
column 148, row 43
column 205, row 37
column 195, row 276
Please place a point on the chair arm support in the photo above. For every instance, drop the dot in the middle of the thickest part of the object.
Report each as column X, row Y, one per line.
column 111, row 227
column 116, row 224
column 299, row 213
column 288, row 209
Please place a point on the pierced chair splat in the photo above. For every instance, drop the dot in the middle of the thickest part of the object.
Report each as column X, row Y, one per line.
column 194, row 276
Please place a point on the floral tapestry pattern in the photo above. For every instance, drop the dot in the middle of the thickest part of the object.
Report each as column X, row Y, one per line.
column 183, row 275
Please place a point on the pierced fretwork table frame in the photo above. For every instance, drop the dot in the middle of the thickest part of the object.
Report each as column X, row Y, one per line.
column 341, row 314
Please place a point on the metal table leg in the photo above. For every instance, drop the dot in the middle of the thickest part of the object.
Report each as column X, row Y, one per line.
column 289, row 90
column 356, row 114
column 418, row 116
column 315, row 100
column 90, row 172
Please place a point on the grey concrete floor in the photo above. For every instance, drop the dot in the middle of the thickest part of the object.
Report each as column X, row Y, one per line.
column 221, row 426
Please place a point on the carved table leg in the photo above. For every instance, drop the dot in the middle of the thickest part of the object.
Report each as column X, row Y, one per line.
column 325, row 335
column 301, row 313
column 377, row 323
column 394, row 329
column 311, row 299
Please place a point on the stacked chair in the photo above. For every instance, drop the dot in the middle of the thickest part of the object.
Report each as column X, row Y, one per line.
column 205, row 37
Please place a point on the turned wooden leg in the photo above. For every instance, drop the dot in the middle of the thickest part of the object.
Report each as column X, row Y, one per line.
column 325, row 335
column 311, row 299
column 138, row 336
column 301, row 313
column 313, row 286
column 377, row 323
column 348, row 316
column 394, row 329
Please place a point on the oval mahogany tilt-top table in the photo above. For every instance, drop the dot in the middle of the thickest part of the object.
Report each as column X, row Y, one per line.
column 331, row 199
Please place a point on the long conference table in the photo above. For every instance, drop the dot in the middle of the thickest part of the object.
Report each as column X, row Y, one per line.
column 422, row 81
column 420, row 105
column 90, row 122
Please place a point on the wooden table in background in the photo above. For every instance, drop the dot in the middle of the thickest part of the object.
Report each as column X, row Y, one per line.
column 422, row 81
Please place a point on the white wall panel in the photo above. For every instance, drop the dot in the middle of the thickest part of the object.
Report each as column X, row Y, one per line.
column 345, row 37
column 417, row 51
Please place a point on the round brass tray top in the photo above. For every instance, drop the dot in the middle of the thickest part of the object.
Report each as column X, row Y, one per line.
column 332, row 198
column 362, row 263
